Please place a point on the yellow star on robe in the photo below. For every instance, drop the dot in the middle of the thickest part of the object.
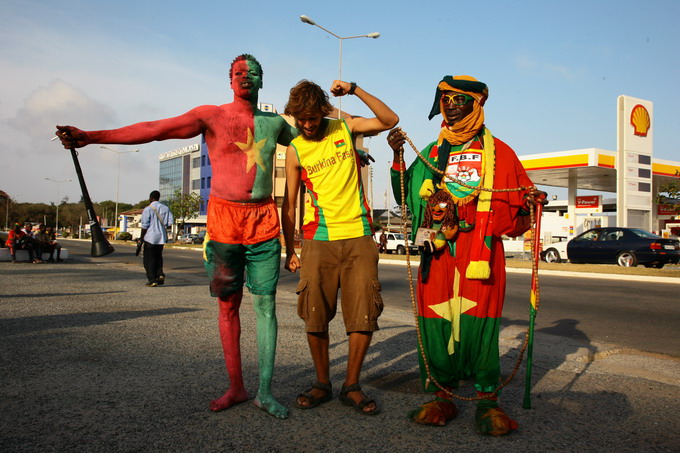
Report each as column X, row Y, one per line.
column 252, row 150
column 452, row 309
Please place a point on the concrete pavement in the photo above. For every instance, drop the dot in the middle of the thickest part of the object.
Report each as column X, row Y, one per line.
column 92, row 360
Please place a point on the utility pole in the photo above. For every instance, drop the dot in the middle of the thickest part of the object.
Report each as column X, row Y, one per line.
column 388, row 212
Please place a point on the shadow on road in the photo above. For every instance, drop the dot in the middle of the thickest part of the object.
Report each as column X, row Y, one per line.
column 30, row 324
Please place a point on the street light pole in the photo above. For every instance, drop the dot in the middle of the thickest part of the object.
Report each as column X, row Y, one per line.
column 374, row 35
column 6, row 211
column 56, row 221
column 115, row 225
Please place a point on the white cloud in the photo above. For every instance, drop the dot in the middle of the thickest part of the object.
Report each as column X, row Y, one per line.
column 57, row 103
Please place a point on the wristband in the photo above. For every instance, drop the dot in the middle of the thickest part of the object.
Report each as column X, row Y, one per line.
column 352, row 87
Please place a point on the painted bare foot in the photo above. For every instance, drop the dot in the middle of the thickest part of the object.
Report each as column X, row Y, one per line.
column 269, row 404
column 436, row 412
column 494, row 421
column 230, row 398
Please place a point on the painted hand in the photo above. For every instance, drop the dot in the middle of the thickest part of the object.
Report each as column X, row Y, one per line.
column 365, row 159
column 72, row 137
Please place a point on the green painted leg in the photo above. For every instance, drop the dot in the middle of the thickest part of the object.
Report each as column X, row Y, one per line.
column 265, row 309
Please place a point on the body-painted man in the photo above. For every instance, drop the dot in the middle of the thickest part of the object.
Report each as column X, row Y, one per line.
column 461, row 284
column 338, row 250
column 243, row 224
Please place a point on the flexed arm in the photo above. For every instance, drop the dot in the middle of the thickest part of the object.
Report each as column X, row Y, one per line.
column 187, row 125
column 384, row 118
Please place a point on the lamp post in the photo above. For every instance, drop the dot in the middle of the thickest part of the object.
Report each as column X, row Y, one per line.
column 115, row 226
column 374, row 35
column 6, row 195
column 56, row 222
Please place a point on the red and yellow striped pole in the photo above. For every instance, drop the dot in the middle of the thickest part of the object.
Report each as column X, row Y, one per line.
column 536, row 249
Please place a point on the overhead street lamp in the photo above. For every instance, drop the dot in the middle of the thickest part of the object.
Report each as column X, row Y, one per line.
column 56, row 222
column 115, row 226
column 374, row 35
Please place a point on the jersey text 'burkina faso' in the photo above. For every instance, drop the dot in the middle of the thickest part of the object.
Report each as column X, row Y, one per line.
column 336, row 206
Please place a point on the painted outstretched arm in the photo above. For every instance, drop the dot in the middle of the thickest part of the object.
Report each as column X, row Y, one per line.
column 384, row 118
column 187, row 125
column 288, row 208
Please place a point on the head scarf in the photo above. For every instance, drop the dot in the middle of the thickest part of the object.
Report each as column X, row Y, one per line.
column 465, row 129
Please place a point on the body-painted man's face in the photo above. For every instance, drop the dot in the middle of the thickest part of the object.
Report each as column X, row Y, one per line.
column 246, row 78
column 456, row 106
column 310, row 126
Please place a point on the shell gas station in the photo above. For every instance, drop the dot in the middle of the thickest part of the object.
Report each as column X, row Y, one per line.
column 631, row 173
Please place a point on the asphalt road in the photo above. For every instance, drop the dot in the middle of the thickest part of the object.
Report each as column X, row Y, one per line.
column 94, row 361
column 631, row 314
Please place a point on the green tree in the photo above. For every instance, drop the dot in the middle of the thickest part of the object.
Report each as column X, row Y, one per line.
column 185, row 206
column 140, row 205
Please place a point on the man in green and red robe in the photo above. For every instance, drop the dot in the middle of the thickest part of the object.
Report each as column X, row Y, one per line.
column 461, row 286
column 243, row 222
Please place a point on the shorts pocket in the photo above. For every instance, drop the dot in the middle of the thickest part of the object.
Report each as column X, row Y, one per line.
column 377, row 305
column 303, row 295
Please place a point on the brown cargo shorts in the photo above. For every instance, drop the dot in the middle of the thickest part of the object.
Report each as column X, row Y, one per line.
column 348, row 265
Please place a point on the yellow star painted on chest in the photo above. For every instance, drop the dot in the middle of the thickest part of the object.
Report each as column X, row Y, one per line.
column 452, row 309
column 253, row 149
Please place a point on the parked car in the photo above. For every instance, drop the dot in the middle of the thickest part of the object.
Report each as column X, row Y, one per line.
column 187, row 238
column 626, row 247
column 395, row 244
column 198, row 239
column 555, row 252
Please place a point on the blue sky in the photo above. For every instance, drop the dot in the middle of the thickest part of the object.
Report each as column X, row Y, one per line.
column 554, row 70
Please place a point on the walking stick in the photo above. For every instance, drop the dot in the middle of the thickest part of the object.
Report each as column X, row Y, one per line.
column 100, row 246
column 534, row 300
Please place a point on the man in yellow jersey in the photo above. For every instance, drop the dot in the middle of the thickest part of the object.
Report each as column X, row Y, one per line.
column 338, row 249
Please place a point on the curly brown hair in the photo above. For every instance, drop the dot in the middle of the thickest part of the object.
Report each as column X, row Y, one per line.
column 450, row 219
column 244, row 57
column 307, row 98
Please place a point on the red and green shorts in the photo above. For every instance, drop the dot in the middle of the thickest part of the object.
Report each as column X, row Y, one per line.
column 242, row 245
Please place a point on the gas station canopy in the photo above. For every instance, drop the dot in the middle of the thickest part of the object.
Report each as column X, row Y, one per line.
column 593, row 169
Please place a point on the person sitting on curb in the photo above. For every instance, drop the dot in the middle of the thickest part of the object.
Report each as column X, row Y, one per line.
column 32, row 241
column 43, row 241
column 16, row 240
column 52, row 238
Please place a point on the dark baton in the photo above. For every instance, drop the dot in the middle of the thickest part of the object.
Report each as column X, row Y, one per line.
column 100, row 246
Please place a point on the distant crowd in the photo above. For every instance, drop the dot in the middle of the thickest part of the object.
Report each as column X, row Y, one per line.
column 40, row 243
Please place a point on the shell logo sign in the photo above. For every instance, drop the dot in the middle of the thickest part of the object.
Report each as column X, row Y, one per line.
column 639, row 119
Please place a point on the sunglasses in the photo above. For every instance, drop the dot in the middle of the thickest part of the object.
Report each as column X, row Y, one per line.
column 456, row 99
